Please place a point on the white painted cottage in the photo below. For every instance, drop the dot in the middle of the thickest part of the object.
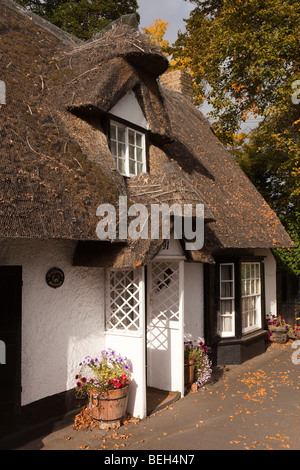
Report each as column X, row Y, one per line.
column 85, row 123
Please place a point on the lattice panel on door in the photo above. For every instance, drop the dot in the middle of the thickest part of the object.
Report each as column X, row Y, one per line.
column 165, row 291
column 123, row 300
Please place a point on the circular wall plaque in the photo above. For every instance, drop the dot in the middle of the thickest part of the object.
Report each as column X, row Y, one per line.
column 55, row 277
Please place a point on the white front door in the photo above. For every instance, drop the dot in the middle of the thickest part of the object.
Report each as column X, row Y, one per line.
column 165, row 342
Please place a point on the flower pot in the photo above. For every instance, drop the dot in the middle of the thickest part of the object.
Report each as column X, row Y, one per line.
column 279, row 334
column 108, row 408
column 292, row 335
column 189, row 372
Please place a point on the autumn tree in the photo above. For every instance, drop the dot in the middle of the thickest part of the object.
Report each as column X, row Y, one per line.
column 82, row 18
column 244, row 58
column 156, row 32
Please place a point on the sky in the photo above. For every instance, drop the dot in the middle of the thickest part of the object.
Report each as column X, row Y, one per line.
column 173, row 11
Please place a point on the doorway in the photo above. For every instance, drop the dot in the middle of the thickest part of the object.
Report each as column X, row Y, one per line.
column 165, row 363
column 10, row 336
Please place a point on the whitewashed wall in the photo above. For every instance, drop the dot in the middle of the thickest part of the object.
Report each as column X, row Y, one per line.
column 59, row 326
column 270, row 281
column 193, row 302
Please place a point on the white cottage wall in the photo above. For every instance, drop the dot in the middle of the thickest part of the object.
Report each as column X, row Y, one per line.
column 270, row 281
column 59, row 326
column 193, row 302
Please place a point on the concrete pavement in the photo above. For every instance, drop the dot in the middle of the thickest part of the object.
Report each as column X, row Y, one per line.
column 253, row 406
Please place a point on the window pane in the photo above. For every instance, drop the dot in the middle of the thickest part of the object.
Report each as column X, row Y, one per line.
column 226, row 324
column 131, row 138
column 248, row 271
column 113, row 132
column 131, row 152
column 139, row 140
column 139, row 168
column 226, row 289
column 257, row 270
column 226, row 272
column 121, row 165
column 226, row 307
column 132, row 167
column 139, row 155
column 121, row 134
column 113, row 148
column 121, row 150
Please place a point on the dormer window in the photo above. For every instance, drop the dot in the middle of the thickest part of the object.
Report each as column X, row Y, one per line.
column 128, row 149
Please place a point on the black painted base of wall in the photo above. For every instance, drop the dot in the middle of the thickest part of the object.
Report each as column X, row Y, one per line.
column 236, row 351
column 39, row 418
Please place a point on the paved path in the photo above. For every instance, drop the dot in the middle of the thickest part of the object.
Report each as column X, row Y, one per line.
column 255, row 405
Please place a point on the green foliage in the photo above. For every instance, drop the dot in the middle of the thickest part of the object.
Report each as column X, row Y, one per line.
column 247, row 51
column 244, row 59
column 290, row 259
column 82, row 18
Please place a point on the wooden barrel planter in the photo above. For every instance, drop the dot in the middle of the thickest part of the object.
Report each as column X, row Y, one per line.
column 109, row 408
column 279, row 335
column 189, row 372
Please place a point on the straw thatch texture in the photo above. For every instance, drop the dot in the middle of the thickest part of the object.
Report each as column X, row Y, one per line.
column 56, row 165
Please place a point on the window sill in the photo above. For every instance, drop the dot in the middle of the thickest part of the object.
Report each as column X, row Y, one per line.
column 247, row 337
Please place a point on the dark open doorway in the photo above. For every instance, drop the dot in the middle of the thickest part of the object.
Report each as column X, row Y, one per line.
column 10, row 335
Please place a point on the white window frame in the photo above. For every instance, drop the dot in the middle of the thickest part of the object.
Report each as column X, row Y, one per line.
column 227, row 334
column 127, row 158
column 255, row 294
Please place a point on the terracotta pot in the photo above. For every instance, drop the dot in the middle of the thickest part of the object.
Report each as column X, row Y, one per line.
column 109, row 407
column 279, row 334
column 189, row 372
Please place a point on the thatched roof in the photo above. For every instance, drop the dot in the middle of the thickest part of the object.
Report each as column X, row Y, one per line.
column 56, row 165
